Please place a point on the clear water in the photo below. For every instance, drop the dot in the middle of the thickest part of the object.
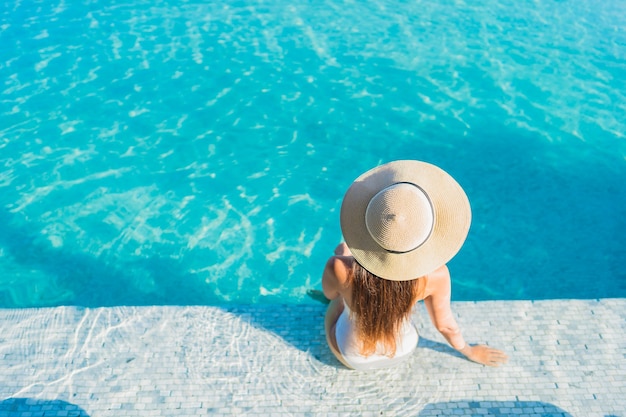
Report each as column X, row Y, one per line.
column 187, row 152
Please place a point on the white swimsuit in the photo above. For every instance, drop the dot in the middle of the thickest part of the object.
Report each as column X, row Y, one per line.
column 349, row 344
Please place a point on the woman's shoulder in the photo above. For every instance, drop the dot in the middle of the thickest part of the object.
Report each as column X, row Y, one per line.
column 341, row 266
column 335, row 280
column 437, row 281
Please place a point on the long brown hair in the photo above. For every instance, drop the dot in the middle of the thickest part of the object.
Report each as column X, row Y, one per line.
column 380, row 307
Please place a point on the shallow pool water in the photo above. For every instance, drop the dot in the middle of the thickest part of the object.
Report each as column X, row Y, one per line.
column 185, row 152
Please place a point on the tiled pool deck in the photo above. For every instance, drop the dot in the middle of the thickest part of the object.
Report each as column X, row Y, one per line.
column 567, row 357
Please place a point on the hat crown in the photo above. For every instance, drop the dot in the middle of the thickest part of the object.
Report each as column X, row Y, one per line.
column 400, row 217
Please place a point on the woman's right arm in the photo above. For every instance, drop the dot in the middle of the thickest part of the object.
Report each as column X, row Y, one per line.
column 437, row 301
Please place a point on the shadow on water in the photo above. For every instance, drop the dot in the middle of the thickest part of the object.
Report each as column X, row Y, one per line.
column 92, row 281
column 493, row 409
column 546, row 217
column 18, row 407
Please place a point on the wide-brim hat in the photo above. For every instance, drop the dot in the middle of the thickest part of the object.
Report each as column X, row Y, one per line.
column 404, row 219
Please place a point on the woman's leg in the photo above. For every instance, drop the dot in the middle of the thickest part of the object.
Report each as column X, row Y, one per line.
column 334, row 310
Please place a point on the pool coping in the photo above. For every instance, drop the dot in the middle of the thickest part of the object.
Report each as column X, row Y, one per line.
column 567, row 358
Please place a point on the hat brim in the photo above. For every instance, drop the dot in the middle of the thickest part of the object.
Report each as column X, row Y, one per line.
column 452, row 218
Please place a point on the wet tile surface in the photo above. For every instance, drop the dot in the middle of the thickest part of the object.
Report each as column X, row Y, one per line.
column 567, row 358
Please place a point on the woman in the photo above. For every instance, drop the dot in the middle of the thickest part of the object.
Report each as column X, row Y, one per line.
column 402, row 222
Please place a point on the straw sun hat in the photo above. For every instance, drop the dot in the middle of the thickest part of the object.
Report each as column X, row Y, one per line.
column 404, row 219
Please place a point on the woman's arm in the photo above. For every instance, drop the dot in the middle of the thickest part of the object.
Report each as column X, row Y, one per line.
column 437, row 301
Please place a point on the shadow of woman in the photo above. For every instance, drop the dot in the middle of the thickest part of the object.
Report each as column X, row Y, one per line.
column 17, row 407
column 299, row 325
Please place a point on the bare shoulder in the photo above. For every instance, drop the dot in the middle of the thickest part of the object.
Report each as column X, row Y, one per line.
column 341, row 266
column 336, row 274
column 438, row 281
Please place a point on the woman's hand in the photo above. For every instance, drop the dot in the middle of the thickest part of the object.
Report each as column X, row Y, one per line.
column 484, row 355
column 342, row 250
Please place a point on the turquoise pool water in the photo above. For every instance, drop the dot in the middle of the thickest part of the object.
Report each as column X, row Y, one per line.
column 186, row 152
